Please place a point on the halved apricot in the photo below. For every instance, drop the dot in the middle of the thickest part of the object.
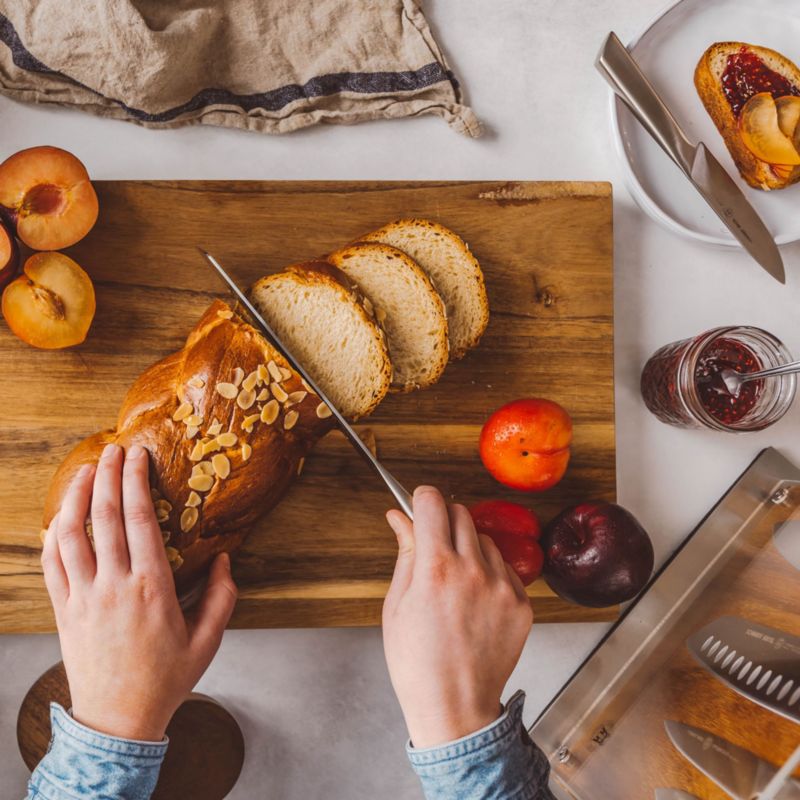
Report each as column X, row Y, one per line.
column 788, row 114
column 47, row 194
column 9, row 255
column 762, row 136
column 52, row 304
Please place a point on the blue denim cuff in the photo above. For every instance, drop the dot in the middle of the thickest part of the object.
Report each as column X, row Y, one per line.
column 498, row 762
column 81, row 763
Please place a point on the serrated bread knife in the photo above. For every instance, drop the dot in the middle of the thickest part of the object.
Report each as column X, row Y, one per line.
column 740, row 773
column 395, row 487
column 761, row 663
column 705, row 173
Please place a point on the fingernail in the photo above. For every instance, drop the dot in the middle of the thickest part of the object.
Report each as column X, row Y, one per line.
column 135, row 451
column 226, row 561
column 109, row 451
column 424, row 489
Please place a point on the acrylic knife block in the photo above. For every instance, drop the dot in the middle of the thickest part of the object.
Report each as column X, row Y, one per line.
column 604, row 732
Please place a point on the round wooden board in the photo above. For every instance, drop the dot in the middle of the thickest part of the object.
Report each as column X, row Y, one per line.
column 206, row 746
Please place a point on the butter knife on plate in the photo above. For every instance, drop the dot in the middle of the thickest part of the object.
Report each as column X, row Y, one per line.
column 395, row 487
column 696, row 162
column 742, row 774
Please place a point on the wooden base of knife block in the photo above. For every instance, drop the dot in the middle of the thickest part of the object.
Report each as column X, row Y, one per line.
column 630, row 755
column 206, row 746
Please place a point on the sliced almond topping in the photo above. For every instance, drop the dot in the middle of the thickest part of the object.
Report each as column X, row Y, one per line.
column 249, row 383
column 194, row 420
column 189, row 517
column 228, row 439
column 174, row 557
column 248, row 422
column 297, row 397
column 183, row 411
column 197, row 453
column 369, row 307
column 278, row 393
column 196, row 382
column 225, row 313
column 211, row 447
column 193, row 500
column 247, row 451
column 203, row 468
column 274, row 370
column 162, row 508
column 192, row 431
column 286, row 374
column 238, row 376
column 380, row 315
column 227, row 390
column 165, row 536
column 270, row 412
column 214, row 428
column 300, row 464
column 201, row 483
column 290, row 420
column 154, row 493
column 263, row 395
column 306, row 386
column 221, row 465
column 246, row 399
column 323, row 412
column 263, row 373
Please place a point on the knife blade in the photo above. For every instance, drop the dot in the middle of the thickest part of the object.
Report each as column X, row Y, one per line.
column 740, row 773
column 674, row 794
column 395, row 487
column 758, row 662
column 702, row 169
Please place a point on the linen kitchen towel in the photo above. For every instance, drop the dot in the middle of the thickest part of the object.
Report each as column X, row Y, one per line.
column 263, row 65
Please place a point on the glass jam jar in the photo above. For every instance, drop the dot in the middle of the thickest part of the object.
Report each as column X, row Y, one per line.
column 681, row 382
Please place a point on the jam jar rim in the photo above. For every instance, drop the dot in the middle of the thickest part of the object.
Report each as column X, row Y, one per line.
column 687, row 387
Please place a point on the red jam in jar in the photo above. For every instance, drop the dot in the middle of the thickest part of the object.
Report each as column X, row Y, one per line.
column 720, row 355
column 682, row 382
column 746, row 75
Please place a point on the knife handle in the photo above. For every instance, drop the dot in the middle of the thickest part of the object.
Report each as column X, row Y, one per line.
column 629, row 83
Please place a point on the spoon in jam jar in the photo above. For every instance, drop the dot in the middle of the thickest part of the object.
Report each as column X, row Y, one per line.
column 734, row 380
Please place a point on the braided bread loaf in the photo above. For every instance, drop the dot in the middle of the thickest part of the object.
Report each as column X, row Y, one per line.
column 226, row 423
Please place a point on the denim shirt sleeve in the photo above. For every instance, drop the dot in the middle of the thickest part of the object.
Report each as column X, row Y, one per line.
column 82, row 764
column 499, row 762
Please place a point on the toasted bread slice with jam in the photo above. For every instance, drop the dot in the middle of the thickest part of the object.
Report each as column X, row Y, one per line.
column 454, row 271
column 326, row 323
column 724, row 86
column 408, row 307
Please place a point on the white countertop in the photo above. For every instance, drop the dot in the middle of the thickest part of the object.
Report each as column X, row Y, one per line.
column 316, row 706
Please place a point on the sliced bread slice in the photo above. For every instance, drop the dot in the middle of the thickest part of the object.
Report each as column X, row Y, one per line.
column 446, row 259
column 322, row 318
column 708, row 81
column 407, row 305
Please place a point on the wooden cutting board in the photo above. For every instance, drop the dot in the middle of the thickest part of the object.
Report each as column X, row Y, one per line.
column 325, row 555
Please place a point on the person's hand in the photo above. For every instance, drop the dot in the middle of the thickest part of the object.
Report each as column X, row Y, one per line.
column 455, row 620
column 130, row 655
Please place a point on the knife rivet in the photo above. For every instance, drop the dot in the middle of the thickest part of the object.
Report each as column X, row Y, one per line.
column 563, row 754
column 779, row 496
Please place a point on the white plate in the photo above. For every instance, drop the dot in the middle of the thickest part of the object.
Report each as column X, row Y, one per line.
column 668, row 52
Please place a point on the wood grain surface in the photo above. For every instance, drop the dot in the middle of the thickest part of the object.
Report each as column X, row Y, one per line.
column 637, row 757
column 325, row 555
column 206, row 744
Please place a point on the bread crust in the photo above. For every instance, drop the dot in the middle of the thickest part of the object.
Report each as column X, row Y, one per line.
column 456, row 352
column 443, row 348
column 757, row 173
column 215, row 347
column 320, row 271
